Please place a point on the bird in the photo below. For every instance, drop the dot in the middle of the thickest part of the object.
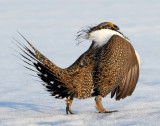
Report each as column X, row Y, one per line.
column 109, row 65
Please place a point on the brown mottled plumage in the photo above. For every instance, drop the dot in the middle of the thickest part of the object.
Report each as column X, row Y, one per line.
column 109, row 66
column 117, row 68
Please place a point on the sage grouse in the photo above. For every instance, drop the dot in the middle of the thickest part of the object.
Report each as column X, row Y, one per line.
column 110, row 65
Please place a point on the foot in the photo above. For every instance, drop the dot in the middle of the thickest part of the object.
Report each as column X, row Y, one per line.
column 68, row 107
column 99, row 106
column 68, row 110
column 111, row 111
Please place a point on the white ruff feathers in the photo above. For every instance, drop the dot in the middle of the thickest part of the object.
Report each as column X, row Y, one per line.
column 102, row 36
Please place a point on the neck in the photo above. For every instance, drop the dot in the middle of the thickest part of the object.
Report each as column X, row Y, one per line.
column 101, row 37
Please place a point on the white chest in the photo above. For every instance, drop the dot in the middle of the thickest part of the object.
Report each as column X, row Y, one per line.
column 102, row 36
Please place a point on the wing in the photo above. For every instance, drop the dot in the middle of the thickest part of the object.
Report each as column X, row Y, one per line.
column 117, row 69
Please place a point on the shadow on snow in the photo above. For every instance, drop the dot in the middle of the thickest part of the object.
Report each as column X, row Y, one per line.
column 19, row 105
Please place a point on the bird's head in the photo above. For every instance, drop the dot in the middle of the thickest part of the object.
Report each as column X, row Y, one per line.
column 100, row 33
column 104, row 25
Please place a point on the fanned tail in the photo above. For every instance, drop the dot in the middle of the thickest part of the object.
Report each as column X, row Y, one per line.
column 46, row 70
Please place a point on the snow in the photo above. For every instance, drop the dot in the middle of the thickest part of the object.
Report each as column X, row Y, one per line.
column 51, row 26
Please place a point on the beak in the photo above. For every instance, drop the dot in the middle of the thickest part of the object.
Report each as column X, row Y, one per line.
column 116, row 27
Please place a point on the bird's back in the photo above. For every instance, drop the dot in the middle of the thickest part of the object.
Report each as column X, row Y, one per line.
column 81, row 74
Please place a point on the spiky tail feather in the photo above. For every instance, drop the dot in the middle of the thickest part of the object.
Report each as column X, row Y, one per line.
column 46, row 70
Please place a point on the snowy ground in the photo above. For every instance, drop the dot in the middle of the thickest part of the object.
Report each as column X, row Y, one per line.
column 51, row 26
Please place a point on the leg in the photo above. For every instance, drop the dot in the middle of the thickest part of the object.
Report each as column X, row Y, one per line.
column 99, row 106
column 69, row 103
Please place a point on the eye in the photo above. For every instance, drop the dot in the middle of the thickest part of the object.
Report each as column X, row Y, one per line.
column 112, row 28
